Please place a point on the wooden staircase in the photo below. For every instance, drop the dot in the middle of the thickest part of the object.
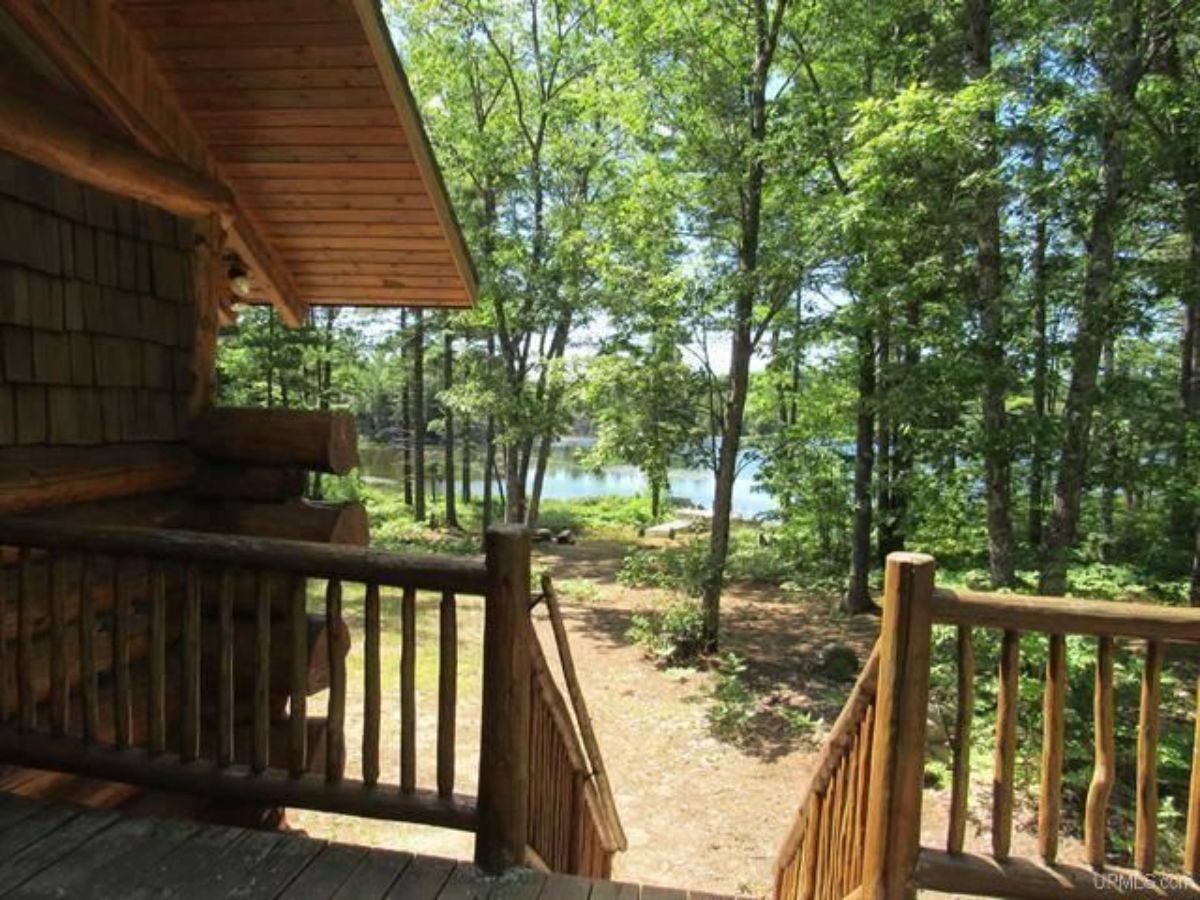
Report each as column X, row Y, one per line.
column 857, row 832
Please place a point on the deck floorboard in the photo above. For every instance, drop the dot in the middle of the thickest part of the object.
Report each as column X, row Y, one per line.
column 52, row 850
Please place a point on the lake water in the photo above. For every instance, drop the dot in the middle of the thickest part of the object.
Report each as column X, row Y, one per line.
column 566, row 479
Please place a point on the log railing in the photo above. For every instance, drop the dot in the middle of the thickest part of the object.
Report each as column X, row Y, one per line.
column 822, row 854
column 893, row 863
column 573, row 821
column 185, row 661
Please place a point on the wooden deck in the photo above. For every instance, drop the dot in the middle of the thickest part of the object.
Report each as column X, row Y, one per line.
column 50, row 849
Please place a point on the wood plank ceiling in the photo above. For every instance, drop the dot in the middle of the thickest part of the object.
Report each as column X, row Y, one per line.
column 309, row 118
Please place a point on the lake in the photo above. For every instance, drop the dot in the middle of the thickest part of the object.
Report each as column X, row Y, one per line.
column 566, row 479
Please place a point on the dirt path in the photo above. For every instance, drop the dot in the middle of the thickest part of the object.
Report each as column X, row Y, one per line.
column 700, row 812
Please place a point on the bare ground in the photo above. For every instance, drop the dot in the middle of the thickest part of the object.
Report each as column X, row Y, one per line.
column 701, row 811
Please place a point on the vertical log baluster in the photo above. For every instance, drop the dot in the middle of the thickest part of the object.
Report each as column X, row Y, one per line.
column 225, row 698
column 1096, row 812
column 123, row 707
column 298, row 683
column 372, row 695
column 1191, row 845
column 87, row 650
column 157, row 712
column 1053, row 729
column 335, row 741
column 262, row 673
column 60, row 697
column 808, row 863
column 447, row 692
column 1006, row 745
column 189, row 741
column 408, row 690
column 26, row 696
column 960, row 788
column 1146, row 832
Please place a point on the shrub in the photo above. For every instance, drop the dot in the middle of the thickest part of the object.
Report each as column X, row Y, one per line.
column 678, row 568
column 733, row 704
column 674, row 636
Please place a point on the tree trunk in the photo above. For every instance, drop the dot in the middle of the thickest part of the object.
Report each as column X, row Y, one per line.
column 746, row 291
column 888, row 538
column 465, row 464
column 655, row 498
column 489, row 451
column 406, row 415
column 418, row 414
column 1095, row 312
column 1041, row 364
column 539, row 479
column 448, row 421
column 514, row 488
column 858, row 596
column 1108, row 465
column 324, row 383
column 989, row 303
column 1189, row 382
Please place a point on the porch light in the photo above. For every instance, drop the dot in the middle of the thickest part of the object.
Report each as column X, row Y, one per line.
column 239, row 281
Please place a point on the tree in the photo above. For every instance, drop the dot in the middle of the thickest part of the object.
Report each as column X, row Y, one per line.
column 417, row 404
column 714, row 65
column 643, row 401
column 448, row 423
column 1121, row 61
column 989, row 289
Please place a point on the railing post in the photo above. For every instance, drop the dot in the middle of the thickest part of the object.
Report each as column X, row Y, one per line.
column 893, row 831
column 504, row 740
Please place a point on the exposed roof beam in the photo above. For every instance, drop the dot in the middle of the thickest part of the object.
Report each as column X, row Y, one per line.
column 81, row 67
column 36, row 132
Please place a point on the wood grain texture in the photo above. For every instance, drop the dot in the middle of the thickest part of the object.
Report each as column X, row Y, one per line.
column 408, row 690
column 1146, row 813
column 1053, row 732
column 1104, row 768
column 372, row 690
column 897, row 769
column 1004, row 770
column 964, row 717
column 335, row 752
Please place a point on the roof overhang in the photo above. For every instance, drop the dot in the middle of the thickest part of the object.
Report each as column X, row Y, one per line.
column 300, row 108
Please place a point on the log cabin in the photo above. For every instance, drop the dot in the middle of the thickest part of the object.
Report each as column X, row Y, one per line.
column 170, row 603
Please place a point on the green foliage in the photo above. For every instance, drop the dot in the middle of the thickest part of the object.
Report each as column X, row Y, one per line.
column 1174, row 743
column 733, row 704
column 596, row 516
column 680, row 567
column 672, row 636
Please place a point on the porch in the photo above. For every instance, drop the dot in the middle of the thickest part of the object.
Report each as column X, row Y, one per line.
column 50, row 849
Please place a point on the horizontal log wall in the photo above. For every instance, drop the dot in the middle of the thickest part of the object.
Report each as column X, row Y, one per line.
column 96, row 318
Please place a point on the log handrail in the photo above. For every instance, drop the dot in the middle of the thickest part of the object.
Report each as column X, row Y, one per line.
column 233, row 613
column 574, row 828
column 301, row 558
column 583, row 719
column 812, row 860
column 1066, row 615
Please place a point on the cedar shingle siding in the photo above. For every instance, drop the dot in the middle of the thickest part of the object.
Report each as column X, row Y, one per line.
column 96, row 317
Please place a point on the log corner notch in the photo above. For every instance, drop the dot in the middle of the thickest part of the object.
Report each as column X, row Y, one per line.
column 309, row 439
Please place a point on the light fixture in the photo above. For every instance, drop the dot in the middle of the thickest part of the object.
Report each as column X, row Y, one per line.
column 239, row 281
